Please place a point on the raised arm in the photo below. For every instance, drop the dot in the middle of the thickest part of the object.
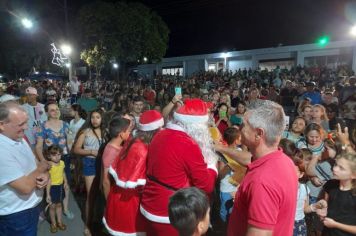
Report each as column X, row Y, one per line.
column 241, row 157
column 169, row 107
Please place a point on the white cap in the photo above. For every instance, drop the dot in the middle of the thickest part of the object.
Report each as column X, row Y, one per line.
column 8, row 97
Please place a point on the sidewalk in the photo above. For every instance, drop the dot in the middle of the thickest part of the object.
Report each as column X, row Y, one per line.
column 74, row 227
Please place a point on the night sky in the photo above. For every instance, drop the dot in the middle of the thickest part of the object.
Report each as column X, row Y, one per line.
column 206, row 26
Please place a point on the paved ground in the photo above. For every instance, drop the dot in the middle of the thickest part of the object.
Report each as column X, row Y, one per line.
column 74, row 227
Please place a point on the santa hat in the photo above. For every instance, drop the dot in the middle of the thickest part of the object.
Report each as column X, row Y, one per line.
column 193, row 111
column 150, row 120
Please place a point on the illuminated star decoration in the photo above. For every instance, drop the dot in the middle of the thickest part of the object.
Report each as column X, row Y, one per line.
column 58, row 58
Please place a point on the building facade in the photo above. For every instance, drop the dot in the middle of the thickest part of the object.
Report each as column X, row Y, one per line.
column 331, row 55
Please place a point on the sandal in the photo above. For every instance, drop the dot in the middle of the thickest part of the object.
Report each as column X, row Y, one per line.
column 61, row 226
column 69, row 214
column 87, row 232
column 53, row 228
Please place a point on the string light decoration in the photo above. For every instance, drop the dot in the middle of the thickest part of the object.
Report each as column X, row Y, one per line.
column 58, row 57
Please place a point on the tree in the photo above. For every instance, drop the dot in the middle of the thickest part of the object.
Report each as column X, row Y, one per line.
column 94, row 57
column 128, row 31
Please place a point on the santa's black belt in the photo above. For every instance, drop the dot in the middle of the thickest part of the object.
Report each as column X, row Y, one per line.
column 154, row 179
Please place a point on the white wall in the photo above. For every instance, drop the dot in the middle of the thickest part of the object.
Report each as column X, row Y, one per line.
column 241, row 64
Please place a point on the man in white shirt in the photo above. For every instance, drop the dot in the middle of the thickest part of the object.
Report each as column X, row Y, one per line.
column 74, row 89
column 21, row 177
column 36, row 115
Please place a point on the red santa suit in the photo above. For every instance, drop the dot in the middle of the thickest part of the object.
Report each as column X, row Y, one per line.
column 174, row 161
column 122, row 210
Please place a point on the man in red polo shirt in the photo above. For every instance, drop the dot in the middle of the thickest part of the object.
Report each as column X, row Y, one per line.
column 266, row 199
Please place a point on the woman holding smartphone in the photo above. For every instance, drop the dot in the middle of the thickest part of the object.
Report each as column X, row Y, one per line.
column 222, row 120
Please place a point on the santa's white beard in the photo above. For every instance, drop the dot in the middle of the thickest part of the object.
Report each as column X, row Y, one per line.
column 200, row 133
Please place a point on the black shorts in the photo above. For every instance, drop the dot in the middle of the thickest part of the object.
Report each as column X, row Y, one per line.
column 57, row 193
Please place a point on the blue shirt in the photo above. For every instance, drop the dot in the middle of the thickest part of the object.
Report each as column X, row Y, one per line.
column 314, row 96
column 50, row 137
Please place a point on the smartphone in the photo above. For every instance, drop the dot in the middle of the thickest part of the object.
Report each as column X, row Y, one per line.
column 178, row 91
column 286, row 122
column 222, row 114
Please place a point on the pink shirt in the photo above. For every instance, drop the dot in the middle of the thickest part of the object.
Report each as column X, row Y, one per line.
column 109, row 155
column 267, row 197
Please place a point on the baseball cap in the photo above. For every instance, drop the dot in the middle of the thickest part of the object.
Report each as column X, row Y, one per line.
column 31, row 90
column 8, row 97
column 310, row 83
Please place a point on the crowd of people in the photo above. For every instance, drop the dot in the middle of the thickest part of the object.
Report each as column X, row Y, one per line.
column 262, row 152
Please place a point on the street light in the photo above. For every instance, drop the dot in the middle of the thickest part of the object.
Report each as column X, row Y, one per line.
column 27, row 23
column 353, row 31
column 66, row 49
column 145, row 59
column 115, row 65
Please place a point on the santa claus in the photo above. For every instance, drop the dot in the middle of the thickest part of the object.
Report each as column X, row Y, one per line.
column 179, row 156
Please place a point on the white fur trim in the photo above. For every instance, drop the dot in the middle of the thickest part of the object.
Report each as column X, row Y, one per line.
column 190, row 118
column 154, row 218
column 126, row 184
column 118, row 233
column 213, row 167
column 151, row 126
column 173, row 126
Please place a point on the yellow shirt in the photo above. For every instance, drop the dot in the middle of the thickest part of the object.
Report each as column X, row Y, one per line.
column 57, row 173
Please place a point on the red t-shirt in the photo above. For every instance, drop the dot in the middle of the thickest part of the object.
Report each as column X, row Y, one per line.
column 223, row 125
column 267, row 197
column 109, row 155
column 150, row 96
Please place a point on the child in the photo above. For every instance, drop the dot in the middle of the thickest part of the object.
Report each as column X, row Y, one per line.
column 119, row 132
column 295, row 133
column 319, row 167
column 306, row 112
column 189, row 211
column 339, row 204
column 319, row 116
column 55, row 187
column 303, row 206
column 288, row 147
column 232, row 137
column 306, row 155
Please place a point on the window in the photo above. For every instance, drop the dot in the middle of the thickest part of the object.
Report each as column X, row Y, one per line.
column 172, row 71
column 212, row 67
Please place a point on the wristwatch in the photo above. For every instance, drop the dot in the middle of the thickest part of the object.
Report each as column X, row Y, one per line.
column 344, row 146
